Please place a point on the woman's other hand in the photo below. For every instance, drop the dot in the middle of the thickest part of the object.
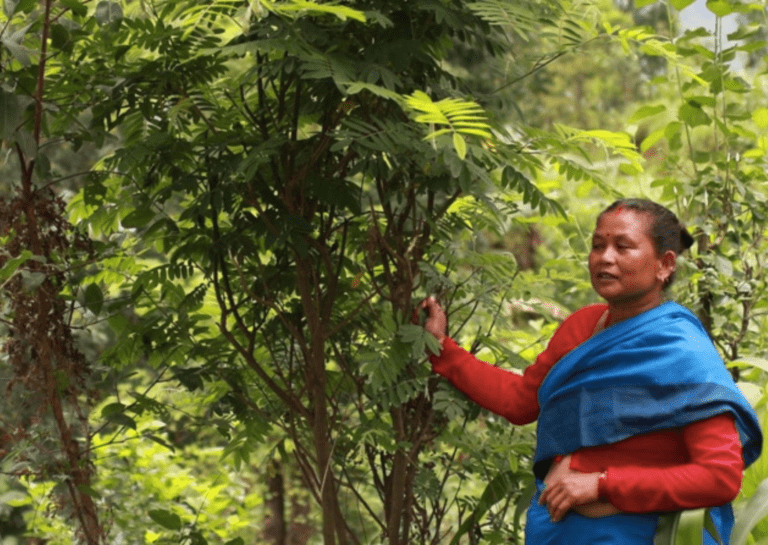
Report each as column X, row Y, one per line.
column 436, row 322
column 567, row 489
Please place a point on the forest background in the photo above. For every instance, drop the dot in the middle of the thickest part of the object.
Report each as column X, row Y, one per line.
column 217, row 217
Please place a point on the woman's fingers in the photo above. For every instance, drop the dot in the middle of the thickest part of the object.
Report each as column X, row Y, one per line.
column 566, row 489
column 436, row 322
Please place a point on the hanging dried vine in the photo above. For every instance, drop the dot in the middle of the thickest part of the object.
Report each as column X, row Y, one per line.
column 49, row 371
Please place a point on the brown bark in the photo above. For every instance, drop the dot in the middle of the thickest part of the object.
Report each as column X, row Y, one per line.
column 41, row 346
column 275, row 528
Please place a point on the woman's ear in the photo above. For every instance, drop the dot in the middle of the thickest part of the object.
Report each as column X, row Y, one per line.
column 667, row 265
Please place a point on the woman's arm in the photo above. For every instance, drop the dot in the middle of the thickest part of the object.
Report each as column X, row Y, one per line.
column 506, row 393
column 711, row 477
column 503, row 392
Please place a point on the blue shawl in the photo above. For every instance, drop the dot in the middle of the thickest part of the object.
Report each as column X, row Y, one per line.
column 656, row 371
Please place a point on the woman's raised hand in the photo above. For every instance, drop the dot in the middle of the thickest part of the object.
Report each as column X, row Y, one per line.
column 436, row 322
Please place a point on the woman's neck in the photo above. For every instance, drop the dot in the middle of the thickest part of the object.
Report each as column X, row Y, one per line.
column 624, row 310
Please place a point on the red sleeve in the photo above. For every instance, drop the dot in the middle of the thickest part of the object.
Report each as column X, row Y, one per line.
column 506, row 393
column 711, row 477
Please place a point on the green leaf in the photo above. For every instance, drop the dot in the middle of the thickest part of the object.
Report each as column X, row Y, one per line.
column 306, row 7
column 108, row 12
column 666, row 528
column 650, row 140
column 760, row 363
column 760, row 117
column 10, row 115
column 166, row 519
column 14, row 498
column 646, row 111
column 78, row 8
column 13, row 264
column 692, row 115
column 460, row 145
column 17, row 49
column 112, row 409
column 159, row 441
column 94, row 298
column 90, row 491
column 498, row 489
column 750, row 515
column 31, row 280
column 723, row 265
column 721, row 8
column 122, row 419
column 642, row 3
column 681, row 4
column 137, row 218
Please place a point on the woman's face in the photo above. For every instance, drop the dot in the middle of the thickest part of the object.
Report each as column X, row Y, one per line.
column 623, row 264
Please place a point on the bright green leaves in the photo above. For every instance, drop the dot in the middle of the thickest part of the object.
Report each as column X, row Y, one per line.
column 297, row 8
column 617, row 142
column 720, row 8
column 681, row 4
column 453, row 116
column 460, row 145
column 646, row 111
column 760, row 117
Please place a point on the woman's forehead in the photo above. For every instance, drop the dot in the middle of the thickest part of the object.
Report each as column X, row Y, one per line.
column 622, row 221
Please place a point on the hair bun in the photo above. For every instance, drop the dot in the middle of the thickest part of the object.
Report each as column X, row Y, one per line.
column 686, row 239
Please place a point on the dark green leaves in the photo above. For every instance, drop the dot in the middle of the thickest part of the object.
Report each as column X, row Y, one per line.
column 166, row 519
column 10, row 115
column 692, row 114
column 94, row 298
column 137, row 218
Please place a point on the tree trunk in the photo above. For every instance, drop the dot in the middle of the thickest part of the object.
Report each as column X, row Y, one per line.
column 275, row 528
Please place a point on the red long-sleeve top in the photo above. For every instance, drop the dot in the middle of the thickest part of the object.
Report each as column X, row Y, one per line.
column 699, row 465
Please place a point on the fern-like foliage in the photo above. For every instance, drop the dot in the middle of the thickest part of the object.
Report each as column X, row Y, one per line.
column 522, row 17
column 297, row 8
column 454, row 116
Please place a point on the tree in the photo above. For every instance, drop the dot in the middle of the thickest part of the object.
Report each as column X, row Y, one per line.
column 287, row 171
column 278, row 184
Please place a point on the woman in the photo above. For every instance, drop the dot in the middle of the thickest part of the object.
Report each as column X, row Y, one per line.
column 636, row 412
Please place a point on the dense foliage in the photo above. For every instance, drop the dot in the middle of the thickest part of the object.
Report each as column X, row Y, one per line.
column 219, row 216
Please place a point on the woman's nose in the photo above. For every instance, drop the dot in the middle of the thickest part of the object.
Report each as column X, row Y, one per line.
column 606, row 255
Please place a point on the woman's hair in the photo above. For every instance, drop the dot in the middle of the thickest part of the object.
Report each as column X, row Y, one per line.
column 666, row 231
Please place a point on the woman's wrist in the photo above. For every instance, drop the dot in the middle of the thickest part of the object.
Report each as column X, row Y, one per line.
column 602, row 486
